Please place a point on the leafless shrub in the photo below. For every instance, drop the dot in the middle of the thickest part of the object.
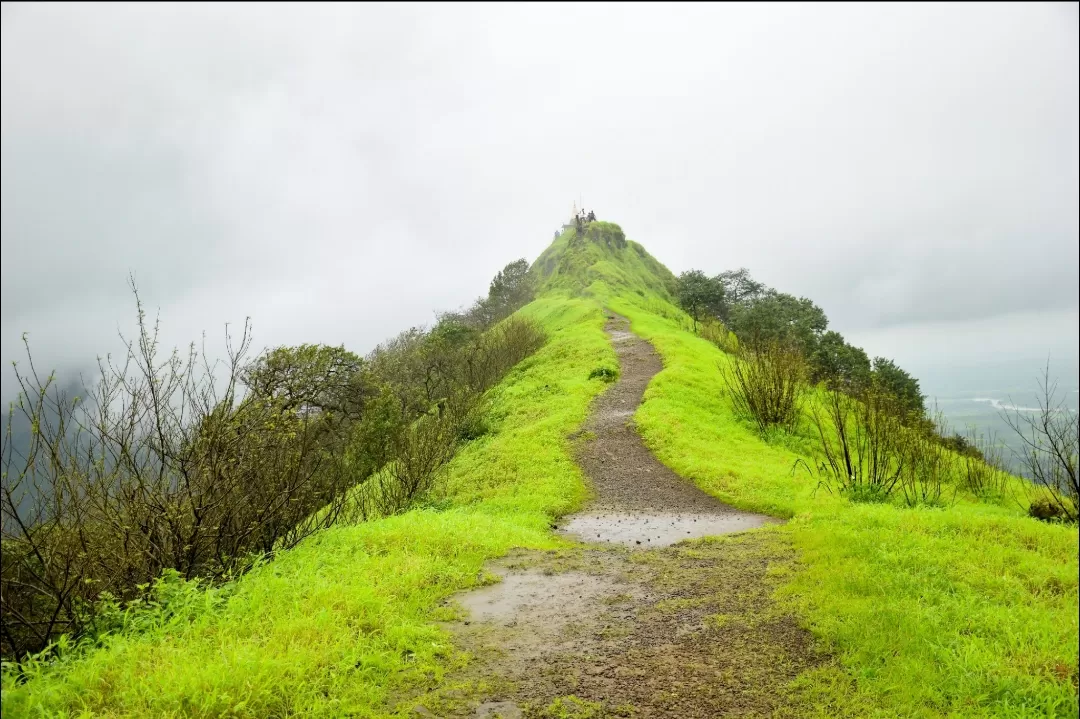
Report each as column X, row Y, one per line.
column 925, row 468
column 983, row 471
column 767, row 384
column 861, row 446
column 421, row 451
column 1051, row 442
column 169, row 465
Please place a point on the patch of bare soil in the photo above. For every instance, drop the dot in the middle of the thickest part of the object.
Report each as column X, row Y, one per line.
column 639, row 621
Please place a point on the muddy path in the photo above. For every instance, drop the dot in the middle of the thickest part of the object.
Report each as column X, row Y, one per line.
column 638, row 500
column 663, row 610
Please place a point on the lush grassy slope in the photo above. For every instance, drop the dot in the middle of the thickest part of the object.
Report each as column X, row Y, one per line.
column 342, row 624
column 969, row 610
column 964, row 611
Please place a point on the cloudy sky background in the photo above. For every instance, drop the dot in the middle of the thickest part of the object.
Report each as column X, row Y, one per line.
column 340, row 172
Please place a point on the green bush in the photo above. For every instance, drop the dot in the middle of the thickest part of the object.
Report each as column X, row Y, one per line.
column 766, row 385
column 606, row 374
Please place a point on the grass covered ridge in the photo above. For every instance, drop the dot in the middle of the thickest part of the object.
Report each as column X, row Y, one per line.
column 342, row 624
column 963, row 611
column 969, row 610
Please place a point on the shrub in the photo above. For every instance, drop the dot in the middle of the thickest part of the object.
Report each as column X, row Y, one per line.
column 766, row 384
column 700, row 296
column 717, row 332
column 1051, row 443
column 925, row 468
column 607, row 374
column 861, row 445
column 169, row 466
column 420, row 452
column 1046, row 509
column 982, row 467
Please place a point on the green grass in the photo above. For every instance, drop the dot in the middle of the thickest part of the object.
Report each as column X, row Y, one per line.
column 344, row 624
column 964, row 611
column 968, row 610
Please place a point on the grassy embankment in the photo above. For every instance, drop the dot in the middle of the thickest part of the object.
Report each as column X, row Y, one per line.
column 968, row 610
column 341, row 624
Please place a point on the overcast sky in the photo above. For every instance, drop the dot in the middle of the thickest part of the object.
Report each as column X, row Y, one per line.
column 339, row 172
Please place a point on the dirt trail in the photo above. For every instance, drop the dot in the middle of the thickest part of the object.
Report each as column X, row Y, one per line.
column 638, row 500
column 631, row 623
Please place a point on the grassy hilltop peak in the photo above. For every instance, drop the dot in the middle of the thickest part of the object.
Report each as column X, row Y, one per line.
column 600, row 259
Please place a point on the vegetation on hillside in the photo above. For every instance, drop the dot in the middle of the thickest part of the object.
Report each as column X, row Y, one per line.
column 875, row 433
column 177, row 464
column 963, row 606
column 760, row 316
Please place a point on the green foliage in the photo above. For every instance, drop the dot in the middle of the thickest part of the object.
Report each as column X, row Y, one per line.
column 512, row 286
column 309, row 378
column 839, row 364
column 717, row 332
column 607, row 374
column 779, row 317
column 1046, row 509
column 740, row 287
column 606, row 233
column 901, row 385
column 966, row 609
column 700, row 296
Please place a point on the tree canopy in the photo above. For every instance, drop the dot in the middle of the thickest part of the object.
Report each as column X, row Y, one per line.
column 700, row 296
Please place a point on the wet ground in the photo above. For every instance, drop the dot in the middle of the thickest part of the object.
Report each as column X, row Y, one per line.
column 636, row 621
column 656, row 529
column 624, row 474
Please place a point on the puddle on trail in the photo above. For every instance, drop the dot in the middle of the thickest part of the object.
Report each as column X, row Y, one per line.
column 549, row 600
column 657, row 529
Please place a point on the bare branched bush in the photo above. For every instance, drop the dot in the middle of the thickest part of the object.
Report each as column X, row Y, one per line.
column 766, row 384
column 168, row 465
column 421, row 451
column 177, row 464
column 861, row 445
column 1051, row 443
column 925, row 468
column 983, row 470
